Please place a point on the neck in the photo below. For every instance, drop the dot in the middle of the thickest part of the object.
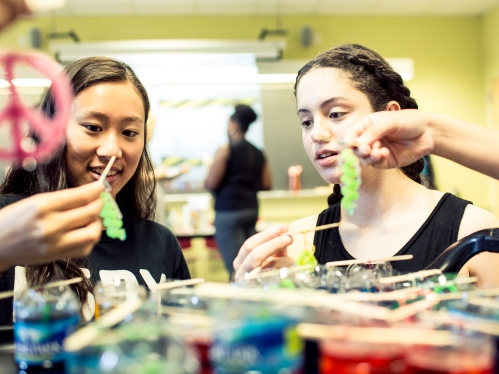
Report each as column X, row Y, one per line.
column 236, row 137
column 383, row 195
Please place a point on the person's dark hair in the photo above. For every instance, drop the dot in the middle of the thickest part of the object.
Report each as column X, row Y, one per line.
column 137, row 197
column 244, row 116
column 368, row 72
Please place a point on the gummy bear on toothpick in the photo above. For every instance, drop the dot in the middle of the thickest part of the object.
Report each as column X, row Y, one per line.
column 350, row 180
column 110, row 212
column 306, row 256
column 112, row 217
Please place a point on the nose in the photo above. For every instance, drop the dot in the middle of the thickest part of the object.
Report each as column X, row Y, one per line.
column 321, row 131
column 109, row 146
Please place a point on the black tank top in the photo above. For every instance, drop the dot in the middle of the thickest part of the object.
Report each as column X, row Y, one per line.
column 439, row 231
column 242, row 179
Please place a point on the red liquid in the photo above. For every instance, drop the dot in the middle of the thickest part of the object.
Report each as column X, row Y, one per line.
column 424, row 360
column 202, row 346
column 344, row 357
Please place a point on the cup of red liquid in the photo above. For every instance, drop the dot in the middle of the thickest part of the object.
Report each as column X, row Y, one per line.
column 344, row 356
column 471, row 354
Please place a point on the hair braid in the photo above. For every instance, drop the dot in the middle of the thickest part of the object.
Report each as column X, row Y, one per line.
column 368, row 72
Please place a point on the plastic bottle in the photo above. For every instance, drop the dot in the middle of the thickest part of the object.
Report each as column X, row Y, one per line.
column 44, row 317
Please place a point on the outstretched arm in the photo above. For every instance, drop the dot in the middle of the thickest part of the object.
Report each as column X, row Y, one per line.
column 398, row 138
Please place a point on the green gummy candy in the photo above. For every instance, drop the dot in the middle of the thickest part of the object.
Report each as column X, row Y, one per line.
column 306, row 257
column 111, row 222
column 350, row 179
column 112, row 216
column 116, row 233
column 287, row 283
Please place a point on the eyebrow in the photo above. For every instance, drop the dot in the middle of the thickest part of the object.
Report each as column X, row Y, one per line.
column 103, row 116
column 324, row 103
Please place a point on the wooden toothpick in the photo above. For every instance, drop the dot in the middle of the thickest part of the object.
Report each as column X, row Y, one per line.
column 106, row 170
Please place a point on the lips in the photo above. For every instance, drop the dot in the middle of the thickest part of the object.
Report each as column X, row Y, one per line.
column 111, row 176
column 326, row 157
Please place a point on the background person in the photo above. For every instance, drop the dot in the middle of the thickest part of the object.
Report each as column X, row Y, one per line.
column 238, row 172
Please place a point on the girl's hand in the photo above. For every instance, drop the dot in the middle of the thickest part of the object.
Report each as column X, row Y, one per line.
column 263, row 250
column 51, row 226
column 392, row 139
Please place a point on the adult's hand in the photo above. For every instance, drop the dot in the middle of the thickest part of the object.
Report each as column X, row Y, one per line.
column 10, row 10
column 263, row 250
column 50, row 226
column 392, row 139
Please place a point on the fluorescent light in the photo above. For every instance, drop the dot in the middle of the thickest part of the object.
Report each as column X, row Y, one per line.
column 26, row 82
column 188, row 79
column 44, row 5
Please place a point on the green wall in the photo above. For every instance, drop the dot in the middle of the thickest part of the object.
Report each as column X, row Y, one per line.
column 448, row 53
column 490, row 45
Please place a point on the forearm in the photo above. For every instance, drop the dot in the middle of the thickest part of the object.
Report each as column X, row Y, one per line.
column 469, row 145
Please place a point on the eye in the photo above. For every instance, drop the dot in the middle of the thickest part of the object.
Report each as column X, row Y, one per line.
column 91, row 127
column 307, row 123
column 336, row 115
column 130, row 133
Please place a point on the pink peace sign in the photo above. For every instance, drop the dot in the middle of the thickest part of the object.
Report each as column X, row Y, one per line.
column 50, row 131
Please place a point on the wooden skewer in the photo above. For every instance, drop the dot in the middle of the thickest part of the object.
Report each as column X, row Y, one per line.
column 271, row 273
column 410, row 276
column 86, row 335
column 310, row 298
column 317, row 228
column 485, row 302
column 106, row 170
column 175, row 284
column 396, row 295
column 376, row 335
column 7, row 294
column 413, row 308
column 367, row 261
column 343, row 143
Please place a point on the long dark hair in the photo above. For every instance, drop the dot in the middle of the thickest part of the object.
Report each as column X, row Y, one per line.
column 368, row 72
column 137, row 197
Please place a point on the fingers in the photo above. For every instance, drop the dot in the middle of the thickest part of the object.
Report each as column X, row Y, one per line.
column 71, row 219
column 278, row 262
column 262, row 252
column 369, row 129
column 256, row 240
column 77, row 243
column 70, row 198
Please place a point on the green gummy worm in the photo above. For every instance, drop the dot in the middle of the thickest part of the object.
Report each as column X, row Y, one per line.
column 112, row 217
column 350, row 180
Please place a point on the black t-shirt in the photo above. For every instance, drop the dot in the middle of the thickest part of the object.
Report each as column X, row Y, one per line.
column 148, row 245
column 242, row 179
column 438, row 232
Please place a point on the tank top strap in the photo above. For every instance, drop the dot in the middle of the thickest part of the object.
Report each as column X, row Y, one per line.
column 438, row 232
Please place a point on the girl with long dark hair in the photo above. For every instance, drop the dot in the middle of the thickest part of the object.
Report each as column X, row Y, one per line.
column 108, row 118
column 395, row 214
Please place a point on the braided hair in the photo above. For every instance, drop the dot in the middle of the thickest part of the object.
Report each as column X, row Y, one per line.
column 368, row 72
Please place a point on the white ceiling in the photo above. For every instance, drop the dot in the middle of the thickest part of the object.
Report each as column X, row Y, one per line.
column 272, row 7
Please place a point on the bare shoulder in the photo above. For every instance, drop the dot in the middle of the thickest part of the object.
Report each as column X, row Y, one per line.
column 223, row 151
column 475, row 219
column 299, row 240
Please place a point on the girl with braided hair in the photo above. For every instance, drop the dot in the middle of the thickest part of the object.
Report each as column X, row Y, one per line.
column 395, row 213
